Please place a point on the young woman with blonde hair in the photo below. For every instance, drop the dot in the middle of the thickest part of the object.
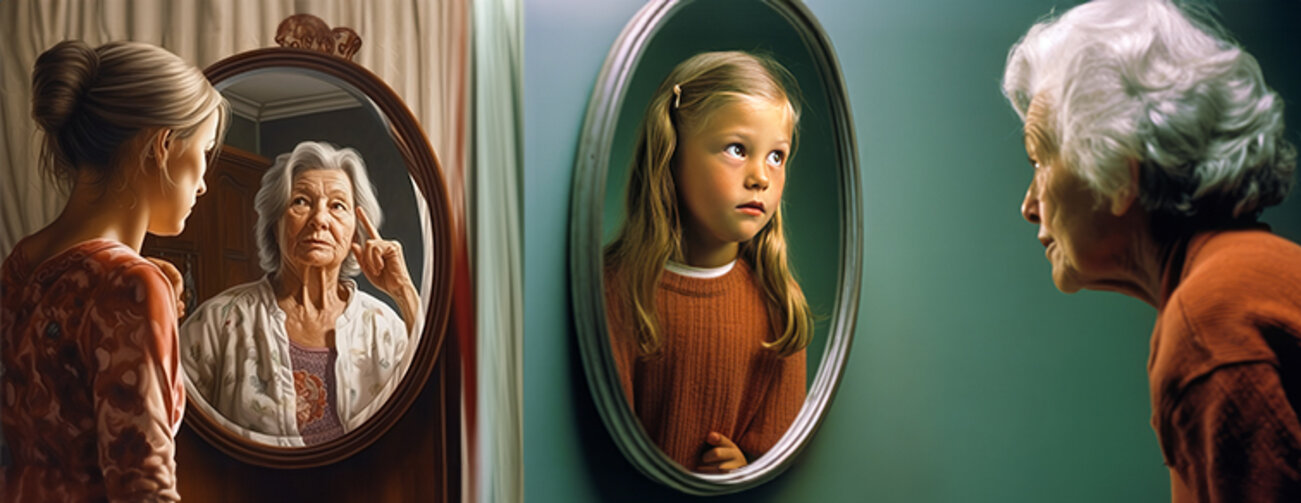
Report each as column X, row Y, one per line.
column 91, row 394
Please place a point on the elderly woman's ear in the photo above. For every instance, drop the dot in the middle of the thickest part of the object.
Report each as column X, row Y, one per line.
column 1123, row 199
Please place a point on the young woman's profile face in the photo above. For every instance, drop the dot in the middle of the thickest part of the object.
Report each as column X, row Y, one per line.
column 187, row 163
column 730, row 171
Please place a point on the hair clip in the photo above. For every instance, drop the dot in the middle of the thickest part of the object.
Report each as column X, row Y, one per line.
column 677, row 96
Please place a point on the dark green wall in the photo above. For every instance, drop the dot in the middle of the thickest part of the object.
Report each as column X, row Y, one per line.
column 971, row 378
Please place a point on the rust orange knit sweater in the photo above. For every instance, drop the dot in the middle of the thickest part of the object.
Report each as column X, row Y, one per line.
column 1225, row 369
column 712, row 373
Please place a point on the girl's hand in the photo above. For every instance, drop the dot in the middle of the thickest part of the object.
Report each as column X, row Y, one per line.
column 178, row 283
column 723, row 458
column 385, row 266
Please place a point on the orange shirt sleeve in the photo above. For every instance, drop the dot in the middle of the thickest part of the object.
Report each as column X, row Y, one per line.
column 780, row 406
column 137, row 392
column 1237, row 437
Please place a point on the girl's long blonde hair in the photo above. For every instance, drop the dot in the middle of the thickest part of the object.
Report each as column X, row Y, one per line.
column 652, row 231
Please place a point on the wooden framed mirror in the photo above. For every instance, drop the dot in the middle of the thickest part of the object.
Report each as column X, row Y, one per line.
column 821, row 208
column 280, row 97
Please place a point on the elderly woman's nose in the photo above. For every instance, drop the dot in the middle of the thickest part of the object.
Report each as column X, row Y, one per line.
column 319, row 217
column 1030, row 205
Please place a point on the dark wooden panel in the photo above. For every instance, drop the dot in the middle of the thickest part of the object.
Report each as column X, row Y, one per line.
column 217, row 249
column 412, row 462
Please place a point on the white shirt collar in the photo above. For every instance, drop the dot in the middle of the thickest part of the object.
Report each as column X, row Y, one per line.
column 699, row 272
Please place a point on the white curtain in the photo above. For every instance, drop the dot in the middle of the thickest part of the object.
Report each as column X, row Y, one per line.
column 497, row 165
column 420, row 48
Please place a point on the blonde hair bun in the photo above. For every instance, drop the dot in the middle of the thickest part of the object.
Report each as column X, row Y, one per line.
column 90, row 101
column 62, row 76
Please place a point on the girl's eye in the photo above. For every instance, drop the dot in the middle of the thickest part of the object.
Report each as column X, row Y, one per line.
column 776, row 158
column 735, row 150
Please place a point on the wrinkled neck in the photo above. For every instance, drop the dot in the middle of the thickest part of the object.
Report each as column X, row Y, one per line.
column 314, row 287
column 1143, row 264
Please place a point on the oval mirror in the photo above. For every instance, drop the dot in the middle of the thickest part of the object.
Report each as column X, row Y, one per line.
column 821, row 211
column 254, row 393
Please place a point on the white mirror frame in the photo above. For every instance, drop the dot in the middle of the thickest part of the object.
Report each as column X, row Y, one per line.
column 586, row 214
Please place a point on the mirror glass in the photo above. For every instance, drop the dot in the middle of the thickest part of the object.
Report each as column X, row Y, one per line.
column 820, row 213
column 335, row 384
column 251, row 366
column 273, row 110
column 811, row 200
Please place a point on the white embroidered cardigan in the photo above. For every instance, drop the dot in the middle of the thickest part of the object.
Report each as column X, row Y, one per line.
column 235, row 352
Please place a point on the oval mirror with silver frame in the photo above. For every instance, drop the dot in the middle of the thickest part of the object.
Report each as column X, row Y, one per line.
column 280, row 97
column 821, row 206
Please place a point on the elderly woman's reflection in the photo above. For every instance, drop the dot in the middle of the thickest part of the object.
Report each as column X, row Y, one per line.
column 302, row 356
column 1155, row 145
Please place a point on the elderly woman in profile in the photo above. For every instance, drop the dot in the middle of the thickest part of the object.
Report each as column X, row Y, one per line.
column 1155, row 145
column 302, row 356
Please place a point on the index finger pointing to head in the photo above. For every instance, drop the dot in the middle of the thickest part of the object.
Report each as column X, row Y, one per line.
column 365, row 223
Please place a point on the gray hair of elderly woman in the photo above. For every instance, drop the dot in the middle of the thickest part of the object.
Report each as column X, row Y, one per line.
column 273, row 197
column 1150, row 82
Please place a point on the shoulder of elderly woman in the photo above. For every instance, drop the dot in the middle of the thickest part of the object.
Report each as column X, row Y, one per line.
column 231, row 303
column 369, row 303
column 1225, row 355
column 378, row 319
column 1237, row 290
column 1240, row 268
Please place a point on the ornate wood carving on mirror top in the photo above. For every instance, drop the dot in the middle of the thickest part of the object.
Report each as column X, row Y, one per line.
column 312, row 52
column 305, row 31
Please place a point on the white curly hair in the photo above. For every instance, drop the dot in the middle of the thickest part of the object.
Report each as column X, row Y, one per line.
column 1162, row 85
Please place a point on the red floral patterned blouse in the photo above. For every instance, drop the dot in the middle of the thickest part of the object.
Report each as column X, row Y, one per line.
column 91, row 394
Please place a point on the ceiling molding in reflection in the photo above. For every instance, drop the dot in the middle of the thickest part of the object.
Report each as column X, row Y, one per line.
column 258, row 111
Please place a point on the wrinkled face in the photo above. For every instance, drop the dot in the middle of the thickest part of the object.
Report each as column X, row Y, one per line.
column 1083, row 240
column 318, row 226
column 730, row 172
column 187, row 162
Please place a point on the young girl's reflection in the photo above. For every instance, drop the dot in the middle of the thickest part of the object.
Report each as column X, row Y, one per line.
column 706, row 320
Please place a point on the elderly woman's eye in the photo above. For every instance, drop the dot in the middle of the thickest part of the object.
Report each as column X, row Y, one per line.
column 776, row 158
column 299, row 201
column 339, row 205
column 735, row 150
